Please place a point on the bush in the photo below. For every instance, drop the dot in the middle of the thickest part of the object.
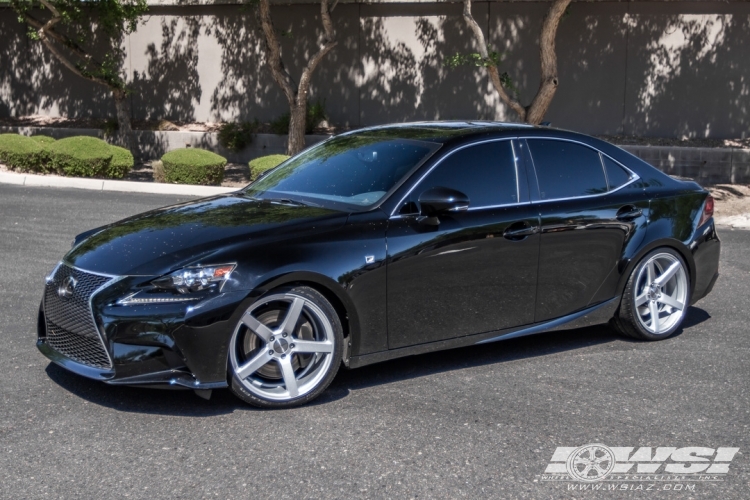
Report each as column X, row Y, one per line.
column 260, row 165
column 237, row 136
column 81, row 156
column 21, row 152
column 193, row 166
column 122, row 162
column 44, row 140
column 316, row 113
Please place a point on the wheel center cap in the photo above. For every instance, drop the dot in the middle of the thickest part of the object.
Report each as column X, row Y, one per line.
column 280, row 346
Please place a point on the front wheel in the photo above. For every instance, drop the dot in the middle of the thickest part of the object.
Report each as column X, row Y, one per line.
column 656, row 297
column 286, row 348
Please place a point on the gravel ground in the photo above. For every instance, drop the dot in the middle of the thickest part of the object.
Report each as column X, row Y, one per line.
column 478, row 422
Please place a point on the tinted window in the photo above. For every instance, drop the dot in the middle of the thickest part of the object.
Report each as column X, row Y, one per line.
column 355, row 170
column 616, row 175
column 486, row 173
column 565, row 169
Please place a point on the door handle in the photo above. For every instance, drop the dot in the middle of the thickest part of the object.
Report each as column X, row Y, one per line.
column 628, row 212
column 520, row 231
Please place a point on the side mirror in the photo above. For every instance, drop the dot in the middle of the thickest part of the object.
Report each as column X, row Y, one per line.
column 439, row 200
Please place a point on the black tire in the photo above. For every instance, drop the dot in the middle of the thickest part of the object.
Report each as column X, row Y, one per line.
column 627, row 320
column 321, row 380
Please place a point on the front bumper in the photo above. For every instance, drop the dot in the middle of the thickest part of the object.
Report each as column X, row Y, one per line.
column 177, row 345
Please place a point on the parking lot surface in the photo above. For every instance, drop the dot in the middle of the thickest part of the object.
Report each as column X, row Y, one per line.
column 478, row 422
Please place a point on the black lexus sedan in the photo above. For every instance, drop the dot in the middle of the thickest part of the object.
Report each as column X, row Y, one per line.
column 385, row 242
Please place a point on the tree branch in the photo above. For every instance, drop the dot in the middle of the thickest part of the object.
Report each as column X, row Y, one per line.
column 273, row 53
column 47, row 34
column 63, row 40
column 491, row 68
column 548, row 57
column 329, row 42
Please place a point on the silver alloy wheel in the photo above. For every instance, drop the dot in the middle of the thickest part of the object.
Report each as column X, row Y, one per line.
column 661, row 293
column 281, row 343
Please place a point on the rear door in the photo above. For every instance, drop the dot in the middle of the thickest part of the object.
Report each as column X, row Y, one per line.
column 471, row 273
column 590, row 208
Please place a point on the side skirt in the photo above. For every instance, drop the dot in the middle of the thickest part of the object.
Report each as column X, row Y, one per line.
column 598, row 314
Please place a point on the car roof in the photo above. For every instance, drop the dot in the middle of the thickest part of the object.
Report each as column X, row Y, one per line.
column 440, row 131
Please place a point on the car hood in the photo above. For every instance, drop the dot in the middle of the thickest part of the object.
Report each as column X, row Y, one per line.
column 157, row 242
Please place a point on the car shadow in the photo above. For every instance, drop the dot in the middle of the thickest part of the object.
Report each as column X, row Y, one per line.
column 186, row 403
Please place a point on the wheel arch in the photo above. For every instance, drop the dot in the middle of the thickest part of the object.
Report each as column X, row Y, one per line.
column 674, row 244
column 330, row 289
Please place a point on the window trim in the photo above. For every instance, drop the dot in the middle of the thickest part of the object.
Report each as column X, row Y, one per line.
column 633, row 176
column 516, row 159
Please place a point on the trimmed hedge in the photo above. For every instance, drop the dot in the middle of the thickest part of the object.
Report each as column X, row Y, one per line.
column 122, row 162
column 21, row 152
column 44, row 140
column 193, row 166
column 81, row 156
column 260, row 165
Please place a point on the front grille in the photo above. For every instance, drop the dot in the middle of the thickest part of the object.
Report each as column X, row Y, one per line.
column 70, row 325
column 85, row 350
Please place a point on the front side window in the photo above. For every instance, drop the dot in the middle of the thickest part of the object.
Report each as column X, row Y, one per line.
column 348, row 172
column 566, row 170
column 486, row 173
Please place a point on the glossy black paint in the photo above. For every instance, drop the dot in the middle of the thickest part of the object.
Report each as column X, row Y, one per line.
column 401, row 283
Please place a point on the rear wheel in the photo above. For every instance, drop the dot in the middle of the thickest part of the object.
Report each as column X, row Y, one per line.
column 286, row 349
column 656, row 297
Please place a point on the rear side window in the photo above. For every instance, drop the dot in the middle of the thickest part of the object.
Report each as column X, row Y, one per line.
column 566, row 170
column 486, row 173
column 616, row 175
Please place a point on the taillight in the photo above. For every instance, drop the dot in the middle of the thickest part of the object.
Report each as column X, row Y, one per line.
column 708, row 210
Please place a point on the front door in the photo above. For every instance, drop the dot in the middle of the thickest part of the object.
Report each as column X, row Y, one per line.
column 477, row 270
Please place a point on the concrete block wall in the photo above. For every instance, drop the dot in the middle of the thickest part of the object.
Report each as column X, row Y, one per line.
column 706, row 165
column 650, row 68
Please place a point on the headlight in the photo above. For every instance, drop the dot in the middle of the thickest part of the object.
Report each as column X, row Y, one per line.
column 195, row 279
column 177, row 286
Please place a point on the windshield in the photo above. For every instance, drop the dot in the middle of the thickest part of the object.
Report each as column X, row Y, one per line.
column 347, row 172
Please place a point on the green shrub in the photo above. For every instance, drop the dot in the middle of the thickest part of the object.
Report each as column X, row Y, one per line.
column 81, row 156
column 193, row 166
column 44, row 140
column 280, row 125
column 260, row 165
column 237, row 136
column 316, row 113
column 21, row 152
column 122, row 162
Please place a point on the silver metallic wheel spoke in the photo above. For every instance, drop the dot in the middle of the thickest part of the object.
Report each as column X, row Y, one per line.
column 650, row 274
column 287, row 372
column 662, row 300
column 654, row 308
column 257, row 327
column 310, row 346
column 671, row 302
column 292, row 316
column 667, row 275
column 253, row 365
column 291, row 343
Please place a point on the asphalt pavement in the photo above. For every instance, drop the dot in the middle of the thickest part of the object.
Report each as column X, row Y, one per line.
column 478, row 422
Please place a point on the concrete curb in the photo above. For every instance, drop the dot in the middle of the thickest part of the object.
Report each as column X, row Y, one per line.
column 110, row 185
